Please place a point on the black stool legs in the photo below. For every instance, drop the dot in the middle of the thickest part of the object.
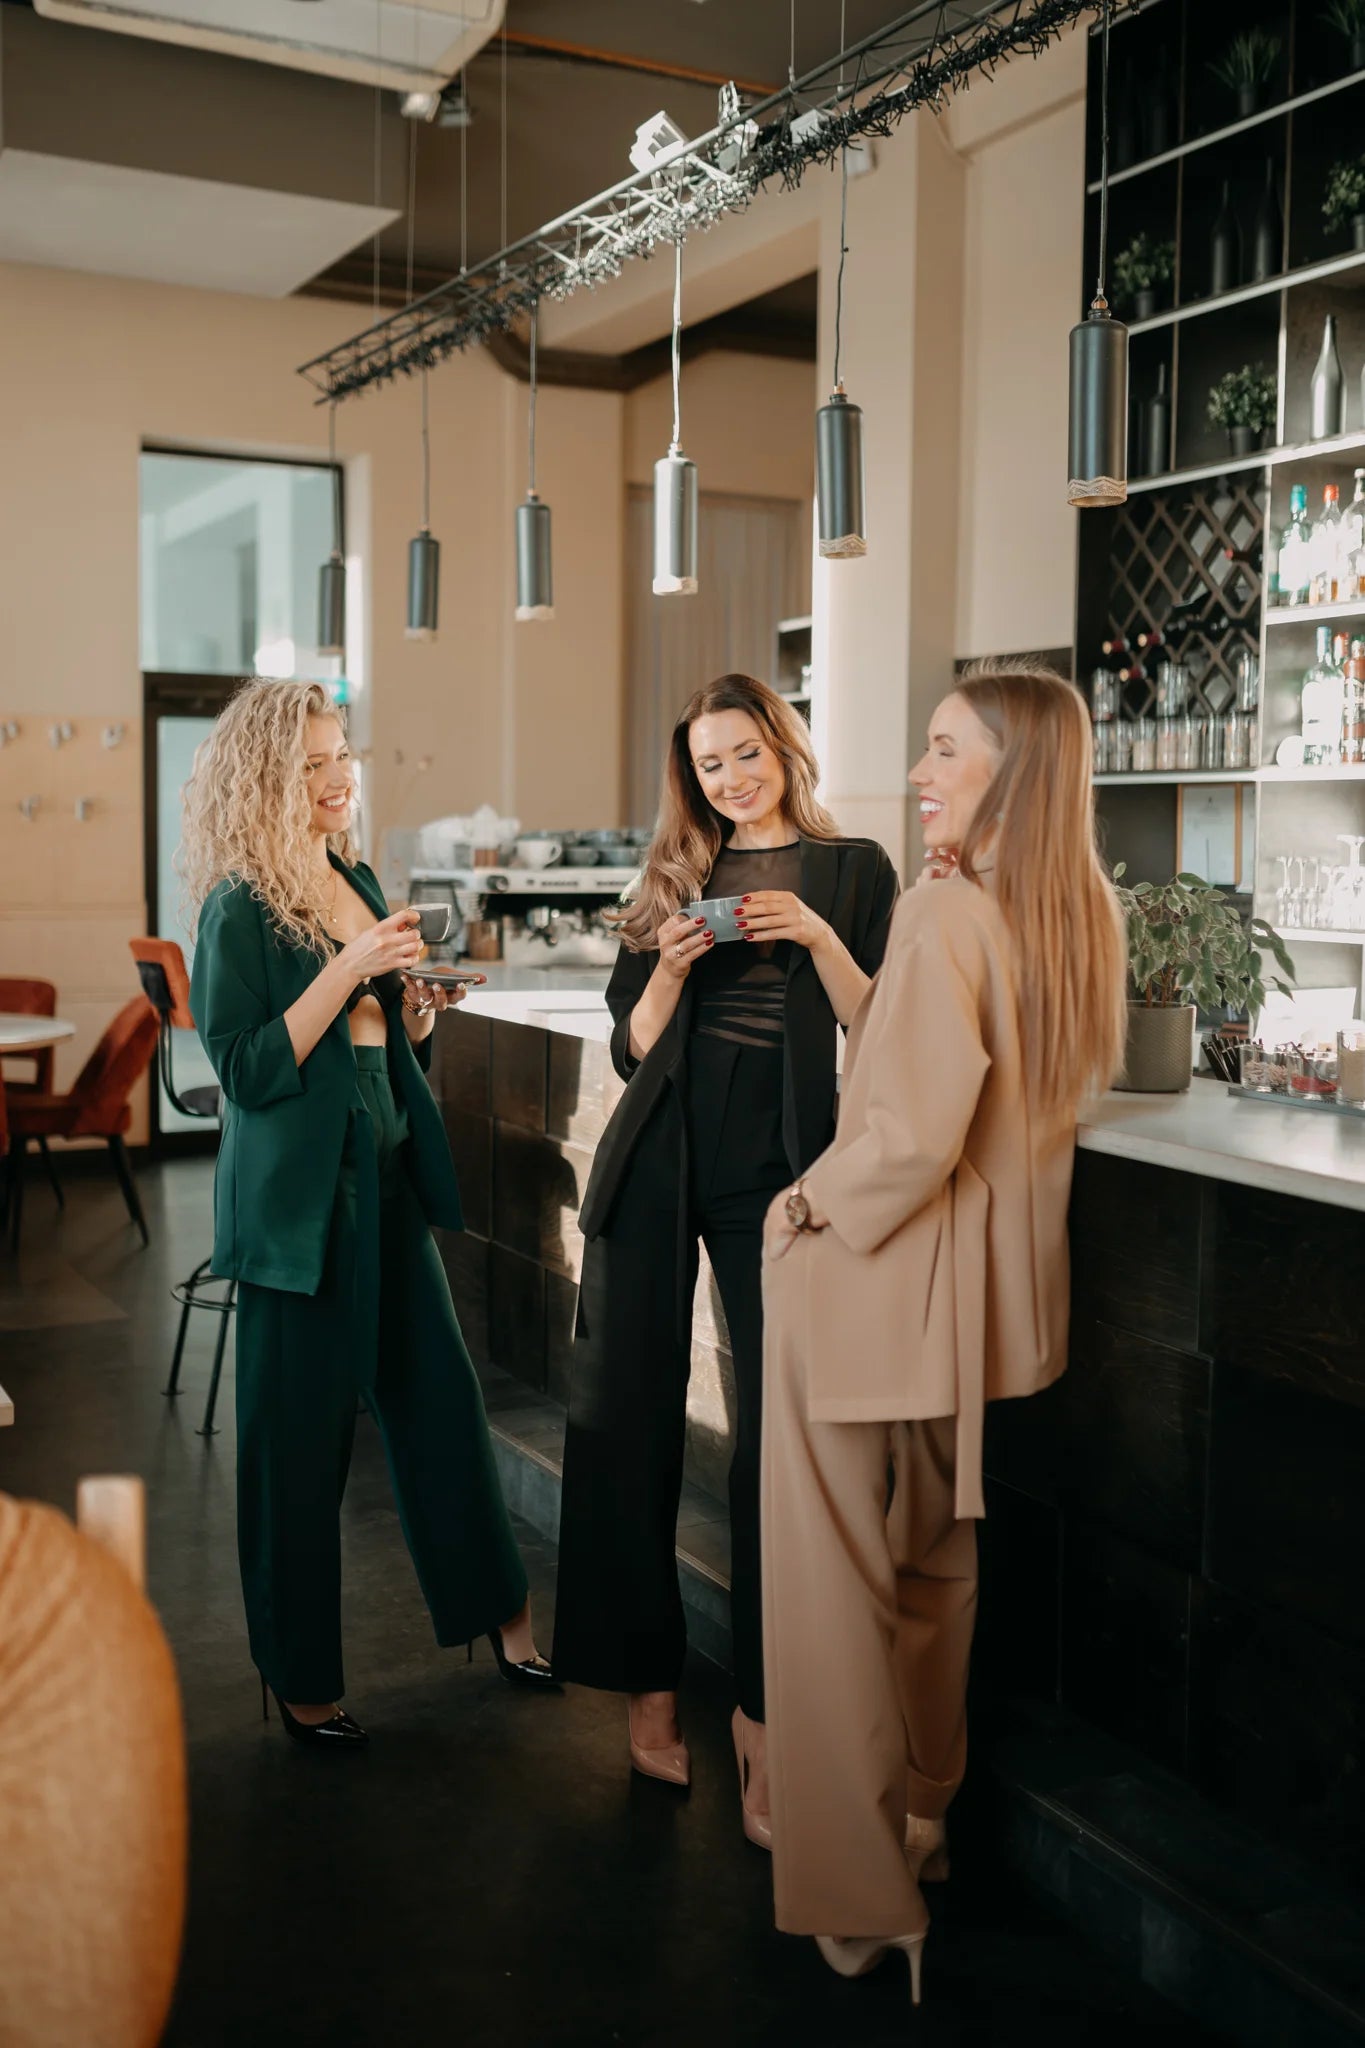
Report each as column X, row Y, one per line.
column 187, row 1294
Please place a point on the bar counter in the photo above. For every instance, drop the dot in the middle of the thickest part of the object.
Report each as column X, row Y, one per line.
column 1176, row 1530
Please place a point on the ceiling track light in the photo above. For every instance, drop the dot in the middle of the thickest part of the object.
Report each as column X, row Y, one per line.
column 1097, row 450
column 424, row 553
column 332, row 576
column 535, row 565
column 675, row 483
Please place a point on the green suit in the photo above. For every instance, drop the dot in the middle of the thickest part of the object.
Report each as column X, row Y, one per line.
column 329, row 1174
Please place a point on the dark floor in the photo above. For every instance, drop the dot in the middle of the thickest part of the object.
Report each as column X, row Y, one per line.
column 489, row 1872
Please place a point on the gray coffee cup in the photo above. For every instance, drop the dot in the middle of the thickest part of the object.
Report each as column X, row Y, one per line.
column 433, row 922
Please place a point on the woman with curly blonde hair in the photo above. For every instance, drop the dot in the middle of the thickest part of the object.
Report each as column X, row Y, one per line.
column 333, row 1167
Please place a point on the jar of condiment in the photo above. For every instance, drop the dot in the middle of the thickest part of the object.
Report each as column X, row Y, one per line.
column 1351, row 1065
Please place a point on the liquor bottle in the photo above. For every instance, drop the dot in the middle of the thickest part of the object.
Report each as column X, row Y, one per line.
column 1322, row 703
column 1328, row 409
column 1225, row 248
column 1291, row 575
column 1352, row 545
column 1156, row 638
column 1324, row 548
column 1116, row 645
column 1134, row 673
column 1353, row 706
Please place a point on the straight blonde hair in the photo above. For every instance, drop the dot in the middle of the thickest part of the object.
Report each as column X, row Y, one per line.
column 246, row 810
column 1036, row 824
column 689, row 833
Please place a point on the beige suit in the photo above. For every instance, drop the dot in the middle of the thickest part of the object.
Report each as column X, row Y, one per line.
column 942, row 1282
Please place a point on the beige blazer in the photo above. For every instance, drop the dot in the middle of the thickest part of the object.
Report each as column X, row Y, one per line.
column 943, row 1280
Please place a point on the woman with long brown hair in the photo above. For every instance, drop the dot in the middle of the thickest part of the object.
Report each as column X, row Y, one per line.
column 728, row 1052
column 918, row 1270
column 309, row 999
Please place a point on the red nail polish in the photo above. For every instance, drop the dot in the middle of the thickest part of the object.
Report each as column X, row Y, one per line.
column 699, row 920
column 710, row 941
column 743, row 923
column 743, row 899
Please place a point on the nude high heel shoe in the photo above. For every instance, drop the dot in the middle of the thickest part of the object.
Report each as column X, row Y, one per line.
column 671, row 1766
column 758, row 1827
column 855, row 1956
column 926, row 1849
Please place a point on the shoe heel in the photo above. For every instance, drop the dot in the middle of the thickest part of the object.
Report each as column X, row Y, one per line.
column 913, row 1946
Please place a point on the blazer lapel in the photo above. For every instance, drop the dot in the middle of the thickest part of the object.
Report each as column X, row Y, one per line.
column 819, row 886
column 364, row 883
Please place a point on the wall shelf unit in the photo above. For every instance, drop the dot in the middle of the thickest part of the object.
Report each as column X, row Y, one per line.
column 1197, row 529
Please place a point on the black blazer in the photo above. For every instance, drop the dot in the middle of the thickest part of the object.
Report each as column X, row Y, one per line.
column 853, row 886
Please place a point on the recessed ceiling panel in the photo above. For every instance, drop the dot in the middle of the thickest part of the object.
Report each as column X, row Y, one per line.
column 399, row 43
column 120, row 222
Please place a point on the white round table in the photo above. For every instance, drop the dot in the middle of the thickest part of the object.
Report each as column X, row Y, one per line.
column 31, row 1034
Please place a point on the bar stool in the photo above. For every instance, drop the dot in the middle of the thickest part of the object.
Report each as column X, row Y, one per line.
column 166, row 984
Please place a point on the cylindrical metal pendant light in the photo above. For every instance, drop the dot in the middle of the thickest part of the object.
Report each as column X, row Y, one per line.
column 839, row 494
column 675, row 483
column 424, row 553
column 332, row 575
column 1097, row 452
column 535, row 562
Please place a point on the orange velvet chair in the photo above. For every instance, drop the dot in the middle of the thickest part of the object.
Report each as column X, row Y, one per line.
column 97, row 1106
column 25, row 996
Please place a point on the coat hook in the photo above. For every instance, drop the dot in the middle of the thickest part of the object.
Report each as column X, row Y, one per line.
column 84, row 806
column 112, row 736
column 9, row 730
column 29, row 806
column 61, row 733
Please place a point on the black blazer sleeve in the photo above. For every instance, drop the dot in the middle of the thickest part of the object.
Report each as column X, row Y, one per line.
column 886, row 889
column 629, row 979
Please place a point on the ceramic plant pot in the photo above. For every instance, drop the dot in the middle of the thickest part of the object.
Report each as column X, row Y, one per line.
column 1160, row 1055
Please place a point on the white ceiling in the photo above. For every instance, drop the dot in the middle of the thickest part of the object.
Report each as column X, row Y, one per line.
column 171, row 230
column 399, row 43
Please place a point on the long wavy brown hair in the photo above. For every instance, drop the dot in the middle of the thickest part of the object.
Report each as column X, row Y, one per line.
column 246, row 809
column 689, row 833
column 1036, row 824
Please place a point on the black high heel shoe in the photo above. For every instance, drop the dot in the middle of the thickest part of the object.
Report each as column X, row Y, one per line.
column 340, row 1732
column 532, row 1671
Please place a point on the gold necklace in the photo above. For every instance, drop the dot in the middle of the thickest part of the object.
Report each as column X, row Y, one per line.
column 332, row 901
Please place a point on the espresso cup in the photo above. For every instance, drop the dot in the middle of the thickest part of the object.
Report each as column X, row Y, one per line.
column 538, row 853
column 433, row 922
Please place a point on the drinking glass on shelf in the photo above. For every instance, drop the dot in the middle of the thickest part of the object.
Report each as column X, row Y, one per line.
column 1104, row 695
column 1172, row 688
column 1351, row 1065
column 1212, row 737
column 1254, row 1067
column 1237, row 728
column 1353, row 883
column 1167, row 733
column 1121, row 745
column 1247, row 675
column 1144, row 745
column 1283, row 893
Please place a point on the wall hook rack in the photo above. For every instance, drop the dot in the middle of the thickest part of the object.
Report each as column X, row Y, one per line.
column 30, row 806
column 60, row 733
column 113, row 735
column 9, row 730
column 84, row 806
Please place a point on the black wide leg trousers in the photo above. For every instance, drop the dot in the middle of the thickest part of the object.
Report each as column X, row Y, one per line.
column 706, row 1167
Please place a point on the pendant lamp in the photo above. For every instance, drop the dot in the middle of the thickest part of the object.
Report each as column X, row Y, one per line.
column 1097, row 454
column 535, row 567
column 675, row 483
column 839, row 491
column 332, row 576
column 424, row 553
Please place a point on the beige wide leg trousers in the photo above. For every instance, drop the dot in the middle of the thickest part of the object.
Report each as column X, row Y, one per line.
column 868, row 1619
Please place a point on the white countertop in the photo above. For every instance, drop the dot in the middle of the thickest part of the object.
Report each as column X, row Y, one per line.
column 1313, row 1154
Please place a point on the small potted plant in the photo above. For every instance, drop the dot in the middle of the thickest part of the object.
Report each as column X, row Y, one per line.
column 1139, row 270
column 1344, row 199
column 1245, row 68
column 1188, row 948
column 1347, row 17
column 1244, row 402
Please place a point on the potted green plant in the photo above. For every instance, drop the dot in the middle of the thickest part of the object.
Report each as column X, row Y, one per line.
column 1245, row 68
column 1344, row 199
column 1139, row 270
column 1188, row 948
column 1244, row 402
column 1347, row 17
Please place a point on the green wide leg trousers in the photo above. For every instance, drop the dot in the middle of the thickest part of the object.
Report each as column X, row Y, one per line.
column 301, row 1373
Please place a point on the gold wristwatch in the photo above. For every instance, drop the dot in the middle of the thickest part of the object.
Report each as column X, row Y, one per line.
column 798, row 1209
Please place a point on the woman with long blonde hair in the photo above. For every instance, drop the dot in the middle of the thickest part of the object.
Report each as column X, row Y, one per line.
column 725, row 1033
column 918, row 1270
column 333, row 1166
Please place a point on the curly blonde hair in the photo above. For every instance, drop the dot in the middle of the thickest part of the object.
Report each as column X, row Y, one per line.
column 246, row 810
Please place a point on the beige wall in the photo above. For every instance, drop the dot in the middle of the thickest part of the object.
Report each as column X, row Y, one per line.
column 748, row 422
column 529, row 716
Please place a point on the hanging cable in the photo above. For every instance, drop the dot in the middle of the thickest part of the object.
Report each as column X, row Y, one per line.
column 426, row 460
column 791, row 50
column 502, row 131
column 336, row 476
column 1104, row 152
column 464, row 176
column 677, row 343
column 531, row 411
column 843, row 228
column 378, row 123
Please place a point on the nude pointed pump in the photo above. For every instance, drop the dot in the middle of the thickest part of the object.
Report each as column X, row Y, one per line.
column 926, row 1849
column 758, row 1827
column 671, row 1766
column 855, row 1956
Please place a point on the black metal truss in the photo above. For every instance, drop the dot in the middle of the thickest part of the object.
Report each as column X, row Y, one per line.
column 920, row 60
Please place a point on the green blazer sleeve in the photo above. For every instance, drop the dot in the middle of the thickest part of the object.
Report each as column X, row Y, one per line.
column 251, row 1051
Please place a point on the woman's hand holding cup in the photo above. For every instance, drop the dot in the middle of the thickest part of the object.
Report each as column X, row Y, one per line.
column 682, row 940
column 392, row 945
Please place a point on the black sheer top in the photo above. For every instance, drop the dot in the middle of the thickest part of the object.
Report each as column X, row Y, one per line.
column 741, row 986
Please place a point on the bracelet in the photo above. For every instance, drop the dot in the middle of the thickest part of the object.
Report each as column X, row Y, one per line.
column 419, row 1009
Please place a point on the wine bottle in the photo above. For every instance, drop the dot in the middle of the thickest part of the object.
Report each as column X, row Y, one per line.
column 1328, row 410
column 1157, row 426
column 1225, row 248
column 1118, row 645
column 1267, row 258
column 1156, row 638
